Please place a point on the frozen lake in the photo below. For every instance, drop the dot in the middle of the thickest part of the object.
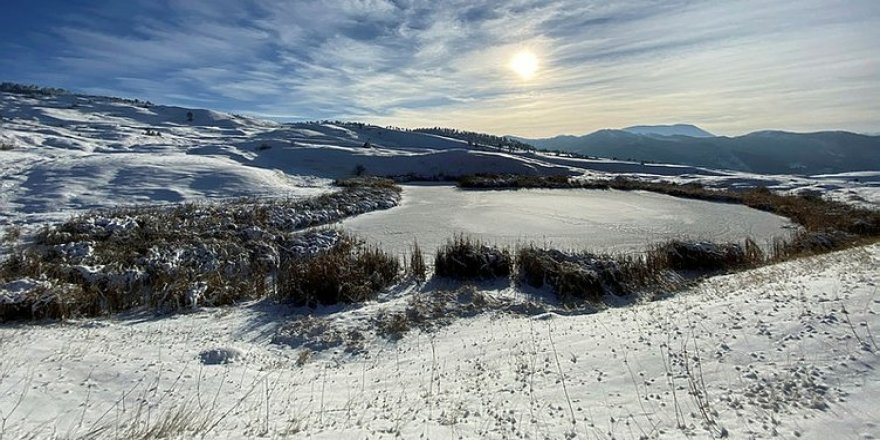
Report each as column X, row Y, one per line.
column 595, row 220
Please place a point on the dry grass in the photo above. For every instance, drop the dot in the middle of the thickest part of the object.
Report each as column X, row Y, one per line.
column 362, row 181
column 417, row 268
column 517, row 181
column 707, row 256
column 427, row 311
column 579, row 277
column 346, row 273
column 573, row 277
column 464, row 257
column 179, row 256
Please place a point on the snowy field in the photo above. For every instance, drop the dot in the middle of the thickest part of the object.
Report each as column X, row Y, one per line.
column 785, row 351
column 616, row 221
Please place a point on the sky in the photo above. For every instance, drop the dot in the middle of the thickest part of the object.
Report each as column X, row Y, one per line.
column 730, row 67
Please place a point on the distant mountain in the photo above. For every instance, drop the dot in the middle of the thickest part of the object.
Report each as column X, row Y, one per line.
column 766, row 152
column 669, row 130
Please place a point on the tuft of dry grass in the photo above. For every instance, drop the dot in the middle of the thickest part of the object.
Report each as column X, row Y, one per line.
column 427, row 311
column 706, row 256
column 573, row 277
column 417, row 268
column 347, row 272
column 464, row 257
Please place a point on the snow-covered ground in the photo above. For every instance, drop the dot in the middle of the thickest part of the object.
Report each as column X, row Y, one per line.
column 787, row 350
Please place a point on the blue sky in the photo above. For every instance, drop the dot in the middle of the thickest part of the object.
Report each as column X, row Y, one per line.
column 728, row 66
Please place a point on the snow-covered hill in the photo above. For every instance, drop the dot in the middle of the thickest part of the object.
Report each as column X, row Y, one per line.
column 72, row 152
column 67, row 153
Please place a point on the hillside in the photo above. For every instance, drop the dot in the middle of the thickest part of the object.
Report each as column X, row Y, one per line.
column 65, row 153
column 765, row 152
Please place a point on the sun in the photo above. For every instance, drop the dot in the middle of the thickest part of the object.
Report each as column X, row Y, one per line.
column 524, row 63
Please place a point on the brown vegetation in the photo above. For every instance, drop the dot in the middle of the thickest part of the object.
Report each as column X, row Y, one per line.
column 464, row 257
column 181, row 256
column 346, row 273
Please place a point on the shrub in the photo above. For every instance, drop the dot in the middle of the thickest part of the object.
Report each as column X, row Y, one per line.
column 347, row 272
column 576, row 277
column 573, row 277
column 466, row 258
column 811, row 243
column 367, row 182
column 702, row 255
column 517, row 181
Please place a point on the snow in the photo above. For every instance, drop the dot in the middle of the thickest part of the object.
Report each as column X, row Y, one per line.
column 669, row 130
column 786, row 350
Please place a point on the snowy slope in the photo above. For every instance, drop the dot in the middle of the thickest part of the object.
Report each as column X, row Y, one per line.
column 71, row 153
column 785, row 351
column 78, row 152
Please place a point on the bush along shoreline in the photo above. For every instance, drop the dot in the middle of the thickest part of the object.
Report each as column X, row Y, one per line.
column 178, row 256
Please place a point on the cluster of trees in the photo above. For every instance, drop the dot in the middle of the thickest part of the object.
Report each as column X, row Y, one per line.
column 30, row 89
column 479, row 139
column 136, row 102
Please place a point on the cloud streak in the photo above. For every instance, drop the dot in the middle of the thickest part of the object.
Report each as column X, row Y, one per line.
column 731, row 67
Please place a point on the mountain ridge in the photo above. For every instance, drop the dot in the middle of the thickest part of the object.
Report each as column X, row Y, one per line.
column 765, row 151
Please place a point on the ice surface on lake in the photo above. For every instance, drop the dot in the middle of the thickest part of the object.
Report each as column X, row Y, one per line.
column 596, row 220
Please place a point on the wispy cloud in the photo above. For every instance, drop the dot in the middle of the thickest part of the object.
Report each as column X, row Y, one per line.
column 729, row 66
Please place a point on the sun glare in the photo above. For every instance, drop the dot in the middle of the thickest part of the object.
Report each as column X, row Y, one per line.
column 525, row 64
